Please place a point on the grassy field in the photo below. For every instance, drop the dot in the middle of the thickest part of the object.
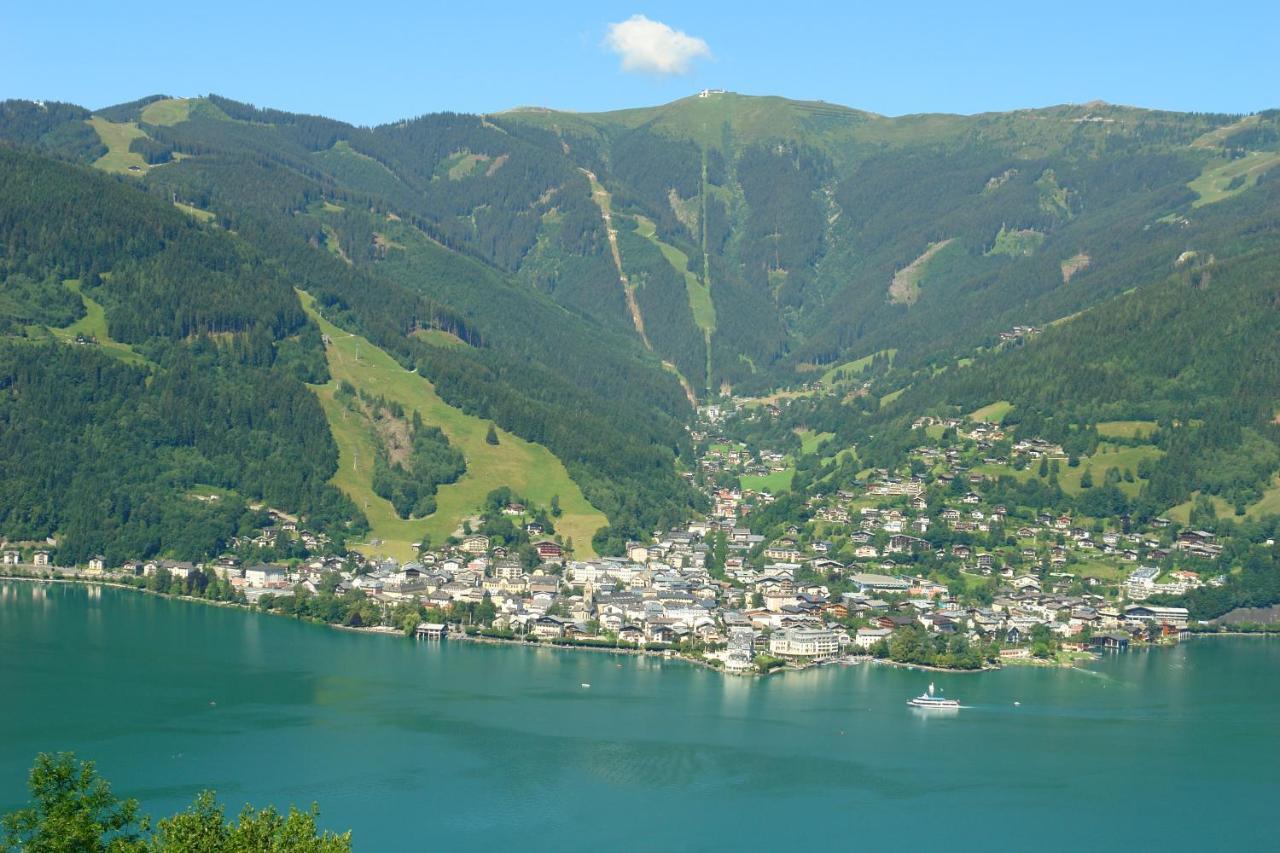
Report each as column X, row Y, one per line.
column 777, row 481
column 1099, row 569
column 203, row 491
column 705, row 119
column 94, row 325
column 905, row 287
column 1218, row 135
column 994, row 471
column 167, row 112
column 439, row 338
column 1126, row 429
column 993, row 413
column 334, row 244
column 198, row 213
column 463, row 165
column 1016, row 243
column 1268, row 505
column 117, row 136
column 971, row 582
column 1224, row 178
column 809, row 440
column 851, row 368
column 529, row 469
column 890, row 397
column 1108, row 456
column 704, row 311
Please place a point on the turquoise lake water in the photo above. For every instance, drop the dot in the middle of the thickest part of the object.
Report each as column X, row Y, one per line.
column 456, row 746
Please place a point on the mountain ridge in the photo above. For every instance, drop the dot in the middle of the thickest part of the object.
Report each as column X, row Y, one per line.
column 752, row 238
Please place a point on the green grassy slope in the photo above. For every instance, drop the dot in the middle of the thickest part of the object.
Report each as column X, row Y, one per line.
column 94, row 325
column 117, row 136
column 749, row 117
column 704, row 310
column 1268, row 504
column 850, row 369
column 1222, row 179
column 167, row 111
column 993, row 413
column 529, row 469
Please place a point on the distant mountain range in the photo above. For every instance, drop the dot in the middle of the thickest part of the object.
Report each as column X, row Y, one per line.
column 581, row 279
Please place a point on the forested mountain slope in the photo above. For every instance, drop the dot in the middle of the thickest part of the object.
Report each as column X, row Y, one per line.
column 1190, row 349
column 762, row 238
column 214, row 316
column 828, row 234
column 514, row 260
column 103, row 452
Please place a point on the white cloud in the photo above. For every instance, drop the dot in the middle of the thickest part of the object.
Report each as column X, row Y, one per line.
column 653, row 47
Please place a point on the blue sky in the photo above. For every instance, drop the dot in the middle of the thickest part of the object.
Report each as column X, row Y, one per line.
column 376, row 62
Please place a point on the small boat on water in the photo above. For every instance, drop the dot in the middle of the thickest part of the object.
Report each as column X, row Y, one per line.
column 929, row 700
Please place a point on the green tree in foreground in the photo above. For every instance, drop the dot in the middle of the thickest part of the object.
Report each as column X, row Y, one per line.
column 202, row 828
column 492, row 435
column 73, row 809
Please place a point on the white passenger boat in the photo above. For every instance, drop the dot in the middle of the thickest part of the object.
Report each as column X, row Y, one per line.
column 929, row 700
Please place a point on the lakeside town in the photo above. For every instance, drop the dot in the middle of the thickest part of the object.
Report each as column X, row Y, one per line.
column 926, row 566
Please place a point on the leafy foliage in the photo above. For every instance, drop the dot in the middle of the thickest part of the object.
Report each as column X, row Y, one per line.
column 71, row 809
column 411, row 486
column 100, row 456
column 74, row 809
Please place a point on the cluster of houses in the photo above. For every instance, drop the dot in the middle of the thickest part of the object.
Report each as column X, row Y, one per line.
column 838, row 585
column 888, row 521
column 663, row 593
column 742, row 462
column 891, row 535
column 1144, row 582
column 39, row 558
column 267, row 537
column 1018, row 333
column 887, row 530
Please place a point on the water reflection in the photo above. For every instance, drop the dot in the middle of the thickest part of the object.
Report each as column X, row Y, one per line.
column 736, row 693
column 928, row 714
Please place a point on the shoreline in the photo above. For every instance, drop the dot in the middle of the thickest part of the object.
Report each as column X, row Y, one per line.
column 663, row 654
column 384, row 630
column 923, row 667
column 1198, row 634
